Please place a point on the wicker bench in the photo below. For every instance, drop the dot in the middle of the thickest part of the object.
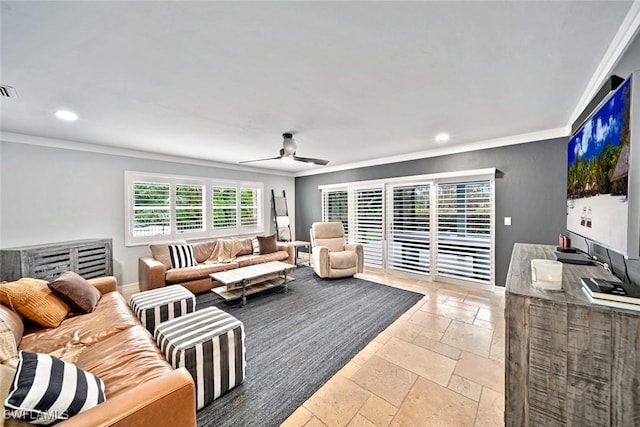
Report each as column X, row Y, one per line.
column 210, row 344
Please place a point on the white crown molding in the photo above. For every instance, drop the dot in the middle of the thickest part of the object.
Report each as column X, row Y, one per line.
column 624, row 36
column 445, row 150
column 127, row 152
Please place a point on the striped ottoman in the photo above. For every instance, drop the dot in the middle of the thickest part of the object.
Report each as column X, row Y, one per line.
column 158, row 305
column 210, row 344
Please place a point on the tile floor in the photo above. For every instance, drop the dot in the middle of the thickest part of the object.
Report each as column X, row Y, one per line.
column 440, row 364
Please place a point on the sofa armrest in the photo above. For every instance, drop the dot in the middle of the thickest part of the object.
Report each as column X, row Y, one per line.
column 359, row 250
column 320, row 255
column 169, row 400
column 290, row 249
column 105, row 284
column 150, row 273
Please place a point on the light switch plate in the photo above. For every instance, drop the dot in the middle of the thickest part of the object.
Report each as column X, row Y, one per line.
column 507, row 220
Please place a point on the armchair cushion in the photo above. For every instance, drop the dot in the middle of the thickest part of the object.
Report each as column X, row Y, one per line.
column 342, row 260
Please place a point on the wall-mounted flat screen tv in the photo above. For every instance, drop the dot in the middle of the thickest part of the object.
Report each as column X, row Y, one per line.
column 601, row 205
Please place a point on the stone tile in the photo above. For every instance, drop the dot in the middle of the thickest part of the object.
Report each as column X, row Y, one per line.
column 484, row 371
column 491, row 314
column 426, row 363
column 336, row 403
column 450, row 312
column 424, row 341
column 349, row 369
column 465, row 387
column 490, row 409
column 498, row 347
column 360, row 421
column 484, row 324
column 453, row 293
column 385, row 379
column 383, row 337
column 315, row 422
column 430, row 321
column 479, row 301
column 379, row 411
column 463, row 305
column 404, row 330
column 471, row 338
column 300, row 417
column 366, row 353
column 429, row 404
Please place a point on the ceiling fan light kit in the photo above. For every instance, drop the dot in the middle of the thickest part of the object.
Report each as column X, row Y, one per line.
column 288, row 153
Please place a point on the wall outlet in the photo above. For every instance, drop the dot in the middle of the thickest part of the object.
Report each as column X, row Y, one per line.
column 507, row 220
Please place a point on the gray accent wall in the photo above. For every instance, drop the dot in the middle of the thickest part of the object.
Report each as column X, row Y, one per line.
column 52, row 194
column 530, row 188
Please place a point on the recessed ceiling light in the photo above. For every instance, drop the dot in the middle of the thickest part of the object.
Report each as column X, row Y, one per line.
column 69, row 116
column 442, row 137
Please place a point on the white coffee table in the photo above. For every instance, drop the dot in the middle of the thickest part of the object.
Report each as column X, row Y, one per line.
column 243, row 281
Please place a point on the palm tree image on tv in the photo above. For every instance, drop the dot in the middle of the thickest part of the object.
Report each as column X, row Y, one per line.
column 597, row 175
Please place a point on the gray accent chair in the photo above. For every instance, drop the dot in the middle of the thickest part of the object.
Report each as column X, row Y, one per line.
column 331, row 256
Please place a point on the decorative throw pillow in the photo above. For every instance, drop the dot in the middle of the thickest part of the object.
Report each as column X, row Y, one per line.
column 59, row 391
column 8, row 346
column 181, row 256
column 267, row 244
column 256, row 246
column 160, row 251
column 32, row 299
column 76, row 291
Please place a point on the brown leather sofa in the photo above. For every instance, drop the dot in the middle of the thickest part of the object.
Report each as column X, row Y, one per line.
column 141, row 387
column 153, row 273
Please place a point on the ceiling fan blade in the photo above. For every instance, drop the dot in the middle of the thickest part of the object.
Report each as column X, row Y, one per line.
column 319, row 162
column 261, row 160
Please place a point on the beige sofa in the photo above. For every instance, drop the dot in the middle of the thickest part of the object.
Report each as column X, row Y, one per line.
column 155, row 271
column 141, row 387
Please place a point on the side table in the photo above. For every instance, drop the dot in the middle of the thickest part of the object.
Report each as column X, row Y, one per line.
column 296, row 247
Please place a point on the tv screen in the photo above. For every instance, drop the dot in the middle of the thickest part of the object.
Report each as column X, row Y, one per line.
column 598, row 171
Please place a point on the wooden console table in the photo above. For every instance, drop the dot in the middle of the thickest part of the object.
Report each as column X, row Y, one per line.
column 89, row 258
column 567, row 362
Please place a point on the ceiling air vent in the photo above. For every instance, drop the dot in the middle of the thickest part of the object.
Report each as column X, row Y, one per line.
column 8, row 91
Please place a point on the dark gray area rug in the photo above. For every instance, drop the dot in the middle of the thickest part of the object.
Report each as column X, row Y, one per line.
column 296, row 342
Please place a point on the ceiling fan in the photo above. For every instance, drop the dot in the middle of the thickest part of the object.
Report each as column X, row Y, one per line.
column 288, row 152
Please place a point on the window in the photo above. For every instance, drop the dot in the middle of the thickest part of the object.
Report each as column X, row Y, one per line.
column 249, row 207
column 151, row 209
column 409, row 243
column 160, row 207
column 189, row 208
column 465, row 215
column 224, row 207
column 366, row 224
column 335, row 207
column 439, row 226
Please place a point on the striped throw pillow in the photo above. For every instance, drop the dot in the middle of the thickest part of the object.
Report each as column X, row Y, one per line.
column 47, row 390
column 181, row 256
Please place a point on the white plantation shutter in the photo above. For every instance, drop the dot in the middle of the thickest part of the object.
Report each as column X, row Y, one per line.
column 409, row 219
column 250, row 207
column 367, row 224
column 160, row 207
column 189, row 208
column 224, row 207
column 151, row 209
column 464, row 234
column 335, row 207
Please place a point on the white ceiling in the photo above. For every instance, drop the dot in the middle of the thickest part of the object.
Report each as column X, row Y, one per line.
column 354, row 81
